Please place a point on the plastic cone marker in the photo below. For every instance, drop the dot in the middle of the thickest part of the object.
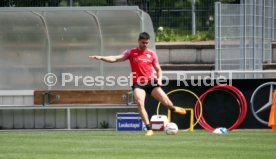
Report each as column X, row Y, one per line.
column 272, row 116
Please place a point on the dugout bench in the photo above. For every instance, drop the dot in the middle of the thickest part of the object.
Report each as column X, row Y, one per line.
column 84, row 99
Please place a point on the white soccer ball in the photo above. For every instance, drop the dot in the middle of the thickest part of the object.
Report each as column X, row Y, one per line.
column 171, row 129
column 220, row 130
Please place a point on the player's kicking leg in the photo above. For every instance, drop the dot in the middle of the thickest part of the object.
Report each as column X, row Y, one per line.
column 161, row 96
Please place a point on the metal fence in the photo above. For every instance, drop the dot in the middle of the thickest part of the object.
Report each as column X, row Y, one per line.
column 274, row 21
column 176, row 15
column 244, row 35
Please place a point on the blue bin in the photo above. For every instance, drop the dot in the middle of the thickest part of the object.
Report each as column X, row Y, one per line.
column 129, row 122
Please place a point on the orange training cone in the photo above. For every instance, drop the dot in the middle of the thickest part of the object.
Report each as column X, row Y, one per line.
column 272, row 116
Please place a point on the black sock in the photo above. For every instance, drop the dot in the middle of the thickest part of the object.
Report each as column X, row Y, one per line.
column 148, row 127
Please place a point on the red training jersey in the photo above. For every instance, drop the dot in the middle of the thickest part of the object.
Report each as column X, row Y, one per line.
column 141, row 63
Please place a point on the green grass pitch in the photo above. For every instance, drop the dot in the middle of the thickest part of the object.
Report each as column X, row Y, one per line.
column 200, row 144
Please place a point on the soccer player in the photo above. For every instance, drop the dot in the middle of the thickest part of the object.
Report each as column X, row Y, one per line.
column 142, row 60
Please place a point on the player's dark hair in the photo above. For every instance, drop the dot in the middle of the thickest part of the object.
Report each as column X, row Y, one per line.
column 144, row 36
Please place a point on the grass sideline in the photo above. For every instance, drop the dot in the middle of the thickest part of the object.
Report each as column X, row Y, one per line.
column 200, row 144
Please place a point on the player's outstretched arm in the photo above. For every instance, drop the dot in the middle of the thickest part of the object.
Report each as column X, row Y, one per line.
column 109, row 59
